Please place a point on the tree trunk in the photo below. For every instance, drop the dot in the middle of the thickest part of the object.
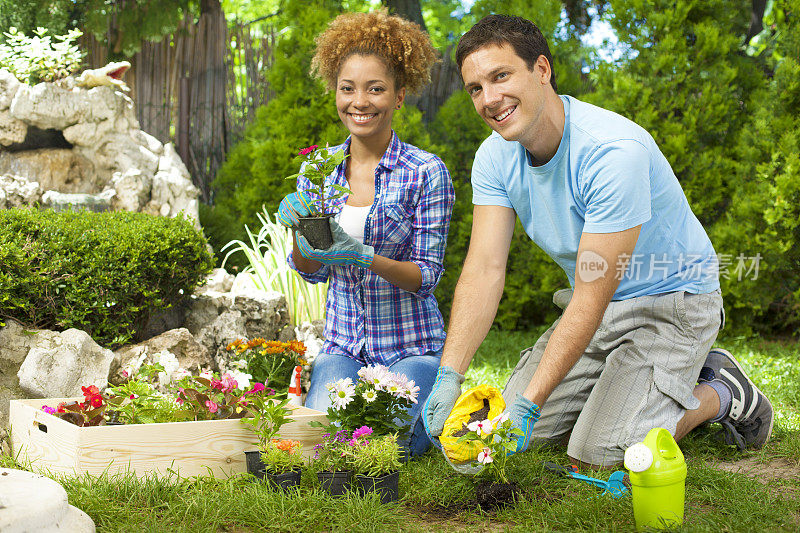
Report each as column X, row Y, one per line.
column 409, row 9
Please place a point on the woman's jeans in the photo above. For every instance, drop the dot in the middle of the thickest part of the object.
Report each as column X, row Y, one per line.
column 421, row 368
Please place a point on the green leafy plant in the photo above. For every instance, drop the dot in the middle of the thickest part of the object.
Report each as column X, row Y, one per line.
column 41, row 57
column 497, row 437
column 374, row 456
column 265, row 415
column 103, row 273
column 282, row 456
column 316, row 164
column 266, row 257
column 137, row 401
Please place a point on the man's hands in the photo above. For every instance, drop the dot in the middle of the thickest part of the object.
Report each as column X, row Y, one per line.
column 524, row 414
column 444, row 394
column 293, row 206
column 345, row 250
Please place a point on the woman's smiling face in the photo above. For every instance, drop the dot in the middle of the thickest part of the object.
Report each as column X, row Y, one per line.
column 366, row 96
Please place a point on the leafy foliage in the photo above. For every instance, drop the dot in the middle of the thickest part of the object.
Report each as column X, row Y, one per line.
column 104, row 273
column 41, row 57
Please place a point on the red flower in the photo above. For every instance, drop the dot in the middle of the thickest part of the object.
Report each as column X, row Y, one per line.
column 308, row 150
column 90, row 391
column 96, row 400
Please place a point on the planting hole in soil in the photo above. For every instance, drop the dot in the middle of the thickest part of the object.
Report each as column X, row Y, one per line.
column 490, row 495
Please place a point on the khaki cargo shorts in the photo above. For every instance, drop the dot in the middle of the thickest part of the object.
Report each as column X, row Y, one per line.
column 637, row 373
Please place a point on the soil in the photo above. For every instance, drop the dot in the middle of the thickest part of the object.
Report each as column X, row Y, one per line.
column 775, row 469
column 490, row 496
column 476, row 416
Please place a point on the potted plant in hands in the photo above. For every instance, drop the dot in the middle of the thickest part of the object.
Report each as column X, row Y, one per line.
column 496, row 438
column 284, row 463
column 376, row 461
column 265, row 416
column 317, row 163
column 332, row 461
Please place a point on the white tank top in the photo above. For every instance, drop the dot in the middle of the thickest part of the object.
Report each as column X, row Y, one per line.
column 352, row 219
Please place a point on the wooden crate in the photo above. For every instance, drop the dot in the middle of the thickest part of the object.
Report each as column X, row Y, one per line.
column 188, row 448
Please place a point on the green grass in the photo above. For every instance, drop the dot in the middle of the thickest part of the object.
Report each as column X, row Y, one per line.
column 434, row 498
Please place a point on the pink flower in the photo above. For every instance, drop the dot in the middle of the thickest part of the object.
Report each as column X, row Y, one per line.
column 485, row 457
column 212, row 407
column 257, row 387
column 179, row 400
column 133, row 396
column 308, row 150
column 125, row 373
column 363, row 431
column 48, row 410
column 228, row 383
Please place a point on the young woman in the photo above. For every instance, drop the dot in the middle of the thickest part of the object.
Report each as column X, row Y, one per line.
column 390, row 233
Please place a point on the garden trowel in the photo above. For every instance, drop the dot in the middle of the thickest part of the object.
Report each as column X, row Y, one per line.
column 614, row 486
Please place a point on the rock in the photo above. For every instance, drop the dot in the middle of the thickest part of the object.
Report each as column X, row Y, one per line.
column 18, row 191
column 49, row 105
column 91, row 202
column 311, row 334
column 218, row 281
column 15, row 343
column 149, row 142
column 172, row 318
column 132, row 190
column 11, row 130
column 31, row 502
column 5, row 446
column 9, row 84
column 216, row 319
column 191, row 355
column 59, row 364
column 244, row 283
column 173, row 186
column 54, row 169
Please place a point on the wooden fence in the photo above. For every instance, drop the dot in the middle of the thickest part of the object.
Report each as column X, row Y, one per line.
column 198, row 87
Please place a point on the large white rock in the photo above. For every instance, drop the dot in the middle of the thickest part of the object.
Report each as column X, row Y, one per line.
column 191, row 355
column 15, row 343
column 16, row 191
column 219, row 280
column 54, row 169
column 12, row 130
column 9, row 84
column 50, row 105
column 33, row 503
column 59, row 365
column 132, row 188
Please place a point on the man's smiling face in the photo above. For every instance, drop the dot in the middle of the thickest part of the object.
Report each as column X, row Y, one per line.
column 506, row 93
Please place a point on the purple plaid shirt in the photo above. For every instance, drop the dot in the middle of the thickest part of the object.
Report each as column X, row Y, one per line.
column 367, row 318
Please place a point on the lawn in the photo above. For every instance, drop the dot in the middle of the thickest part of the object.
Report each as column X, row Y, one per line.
column 766, row 497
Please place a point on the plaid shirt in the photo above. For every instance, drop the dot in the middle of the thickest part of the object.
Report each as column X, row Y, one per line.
column 367, row 318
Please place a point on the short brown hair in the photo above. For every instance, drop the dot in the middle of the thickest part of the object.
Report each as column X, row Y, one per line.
column 523, row 35
column 402, row 45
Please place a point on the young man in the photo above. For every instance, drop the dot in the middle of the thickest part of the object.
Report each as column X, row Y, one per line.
column 593, row 190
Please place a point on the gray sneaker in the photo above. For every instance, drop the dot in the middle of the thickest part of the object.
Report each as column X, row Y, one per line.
column 749, row 421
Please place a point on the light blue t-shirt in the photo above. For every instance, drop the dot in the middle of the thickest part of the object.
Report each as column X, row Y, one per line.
column 608, row 175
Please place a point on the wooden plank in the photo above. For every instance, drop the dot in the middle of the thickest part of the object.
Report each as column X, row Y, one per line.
column 187, row 448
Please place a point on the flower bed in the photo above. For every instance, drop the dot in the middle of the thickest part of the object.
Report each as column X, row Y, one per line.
column 188, row 448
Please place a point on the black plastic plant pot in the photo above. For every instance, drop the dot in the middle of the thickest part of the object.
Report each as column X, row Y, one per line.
column 335, row 483
column 386, row 485
column 254, row 464
column 282, row 481
column 317, row 231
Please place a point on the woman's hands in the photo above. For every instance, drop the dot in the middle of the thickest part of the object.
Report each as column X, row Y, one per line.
column 345, row 250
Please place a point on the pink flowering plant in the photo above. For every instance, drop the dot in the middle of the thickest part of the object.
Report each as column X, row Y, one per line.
column 332, row 453
column 317, row 163
column 496, row 437
column 380, row 399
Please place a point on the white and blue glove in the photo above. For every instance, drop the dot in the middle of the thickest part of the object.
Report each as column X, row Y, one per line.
column 345, row 250
column 293, row 206
column 523, row 413
column 444, row 394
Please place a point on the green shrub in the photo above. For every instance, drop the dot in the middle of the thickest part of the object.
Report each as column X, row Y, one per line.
column 104, row 273
column 41, row 57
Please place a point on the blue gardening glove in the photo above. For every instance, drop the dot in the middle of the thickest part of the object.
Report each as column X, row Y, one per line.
column 297, row 204
column 523, row 413
column 345, row 250
column 446, row 390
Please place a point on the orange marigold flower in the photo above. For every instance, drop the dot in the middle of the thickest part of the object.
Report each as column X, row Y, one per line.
column 255, row 342
column 273, row 350
column 298, row 347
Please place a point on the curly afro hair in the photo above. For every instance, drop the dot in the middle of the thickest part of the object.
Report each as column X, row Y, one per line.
column 402, row 45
